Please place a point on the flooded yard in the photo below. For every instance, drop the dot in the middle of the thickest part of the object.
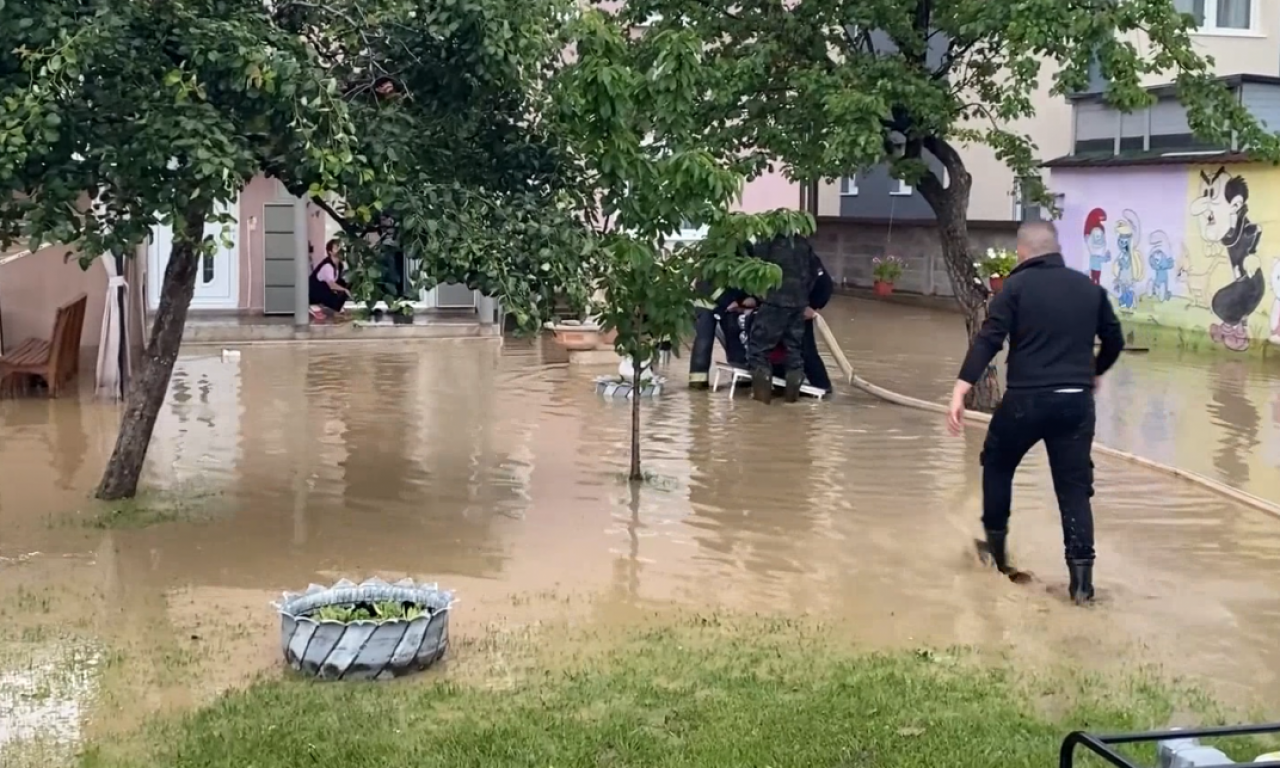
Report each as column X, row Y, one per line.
column 497, row 471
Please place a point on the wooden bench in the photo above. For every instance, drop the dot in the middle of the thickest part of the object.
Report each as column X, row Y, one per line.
column 57, row 361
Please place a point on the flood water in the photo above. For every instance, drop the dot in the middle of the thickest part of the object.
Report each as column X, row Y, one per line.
column 497, row 471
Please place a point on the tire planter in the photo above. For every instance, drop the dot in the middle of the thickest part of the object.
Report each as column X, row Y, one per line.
column 364, row 649
column 611, row 387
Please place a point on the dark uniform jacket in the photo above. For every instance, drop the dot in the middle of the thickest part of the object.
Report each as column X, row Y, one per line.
column 799, row 273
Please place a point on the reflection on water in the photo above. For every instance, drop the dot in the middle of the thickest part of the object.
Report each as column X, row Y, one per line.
column 497, row 470
column 1215, row 416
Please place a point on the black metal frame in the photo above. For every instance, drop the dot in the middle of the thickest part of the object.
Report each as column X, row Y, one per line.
column 1102, row 745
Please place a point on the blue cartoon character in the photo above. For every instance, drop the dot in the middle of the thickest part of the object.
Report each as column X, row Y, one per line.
column 1128, row 263
column 1162, row 265
column 1095, row 242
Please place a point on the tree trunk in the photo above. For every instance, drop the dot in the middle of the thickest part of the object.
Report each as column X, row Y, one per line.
column 635, row 475
column 950, row 206
column 142, row 406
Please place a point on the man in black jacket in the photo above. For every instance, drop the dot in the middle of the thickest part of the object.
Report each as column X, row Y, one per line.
column 1051, row 316
column 781, row 316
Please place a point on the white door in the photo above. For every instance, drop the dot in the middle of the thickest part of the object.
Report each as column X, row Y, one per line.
column 218, row 278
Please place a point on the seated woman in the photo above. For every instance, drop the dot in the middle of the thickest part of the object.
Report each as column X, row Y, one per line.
column 327, row 291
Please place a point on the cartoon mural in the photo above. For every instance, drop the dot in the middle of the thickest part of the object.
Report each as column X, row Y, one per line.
column 1182, row 247
column 1222, row 213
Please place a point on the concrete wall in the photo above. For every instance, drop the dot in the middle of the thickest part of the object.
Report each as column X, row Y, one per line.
column 32, row 288
column 847, row 248
column 1176, row 274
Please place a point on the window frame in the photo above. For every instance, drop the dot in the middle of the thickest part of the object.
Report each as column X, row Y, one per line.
column 849, row 186
column 1210, row 27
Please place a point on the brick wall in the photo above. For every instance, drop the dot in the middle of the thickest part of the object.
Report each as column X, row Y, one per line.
column 848, row 246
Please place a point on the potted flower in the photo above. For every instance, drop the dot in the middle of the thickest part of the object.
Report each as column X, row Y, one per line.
column 886, row 271
column 996, row 265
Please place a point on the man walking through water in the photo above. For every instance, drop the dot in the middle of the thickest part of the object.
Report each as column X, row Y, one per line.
column 781, row 316
column 1051, row 315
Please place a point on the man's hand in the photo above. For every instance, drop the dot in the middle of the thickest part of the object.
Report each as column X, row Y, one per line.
column 810, row 313
column 955, row 412
column 733, row 307
column 749, row 303
column 1097, row 384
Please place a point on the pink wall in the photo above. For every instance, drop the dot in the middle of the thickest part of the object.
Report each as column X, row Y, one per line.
column 33, row 287
column 770, row 191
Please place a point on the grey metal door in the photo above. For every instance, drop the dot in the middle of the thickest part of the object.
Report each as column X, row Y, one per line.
column 277, row 228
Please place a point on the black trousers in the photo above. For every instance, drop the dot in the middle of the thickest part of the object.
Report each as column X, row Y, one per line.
column 772, row 324
column 704, row 343
column 1065, row 422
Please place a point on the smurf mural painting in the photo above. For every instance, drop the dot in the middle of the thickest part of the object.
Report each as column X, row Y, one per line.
column 1181, row 247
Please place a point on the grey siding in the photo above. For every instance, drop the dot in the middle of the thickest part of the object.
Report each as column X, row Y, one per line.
column 1264, row 102
column 875, row 201
column 1168, row 118
column 1095, row 121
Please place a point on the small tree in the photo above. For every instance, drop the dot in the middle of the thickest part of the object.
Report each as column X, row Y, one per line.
column 628, row 105
column 833, row 87
column 121, row 117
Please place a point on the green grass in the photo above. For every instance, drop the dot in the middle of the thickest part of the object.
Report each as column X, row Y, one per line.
column 154, row 508
column 713, row 693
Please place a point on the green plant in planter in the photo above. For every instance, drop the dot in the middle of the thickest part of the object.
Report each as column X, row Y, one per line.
column 888, row 269
column 997, row 262
column 383, row 611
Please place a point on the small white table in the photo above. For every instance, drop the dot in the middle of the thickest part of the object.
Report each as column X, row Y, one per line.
column 739, row 374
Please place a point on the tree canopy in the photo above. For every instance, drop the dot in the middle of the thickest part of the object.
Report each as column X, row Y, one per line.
column 449, row 101
column 151, row 112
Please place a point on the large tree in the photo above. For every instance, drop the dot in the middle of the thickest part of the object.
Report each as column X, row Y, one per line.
column 120, row 117
column 832, row 87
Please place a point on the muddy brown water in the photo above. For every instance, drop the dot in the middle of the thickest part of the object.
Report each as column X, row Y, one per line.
column 497, row 471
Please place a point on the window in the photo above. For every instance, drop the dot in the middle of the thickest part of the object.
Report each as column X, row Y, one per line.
column 849, row 185
column 689, row 232
column 902, row 189
column 1221, row 16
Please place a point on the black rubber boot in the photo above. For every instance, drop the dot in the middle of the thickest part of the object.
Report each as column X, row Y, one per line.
column 994, row 551
column 1081, row 588
column 794, row 380
column 762, row 385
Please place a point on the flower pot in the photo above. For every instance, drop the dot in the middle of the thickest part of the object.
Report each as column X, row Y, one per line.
column 577, row 337
column 997, row 282
column 883, row 288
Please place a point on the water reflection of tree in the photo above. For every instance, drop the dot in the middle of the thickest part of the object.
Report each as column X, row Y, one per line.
column 1235, row 414
column 422, row 468
column 751, row 484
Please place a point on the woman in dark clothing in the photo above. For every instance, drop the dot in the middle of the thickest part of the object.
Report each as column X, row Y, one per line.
column 326, row 288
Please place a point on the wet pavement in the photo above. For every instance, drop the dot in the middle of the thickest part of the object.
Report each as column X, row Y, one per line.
column 498, row 471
